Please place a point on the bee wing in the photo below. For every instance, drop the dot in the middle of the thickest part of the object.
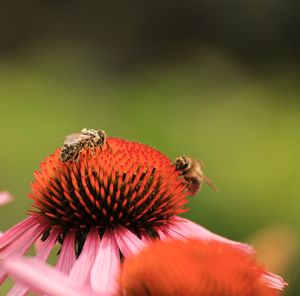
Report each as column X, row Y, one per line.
column 210, row 184
column 202, row 165
column 74, row 138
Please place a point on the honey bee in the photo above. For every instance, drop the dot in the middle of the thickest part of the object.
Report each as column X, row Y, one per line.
column 192, row 171
column 74, row 144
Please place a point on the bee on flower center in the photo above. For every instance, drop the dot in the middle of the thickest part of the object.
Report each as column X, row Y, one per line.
column 74, row 144
column 192, row 171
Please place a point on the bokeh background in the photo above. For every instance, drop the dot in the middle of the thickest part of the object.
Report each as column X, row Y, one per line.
column 218, row 80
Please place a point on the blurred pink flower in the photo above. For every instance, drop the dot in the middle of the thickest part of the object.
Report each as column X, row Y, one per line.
column 196, row 267
column 5, row 197
column 103, row 208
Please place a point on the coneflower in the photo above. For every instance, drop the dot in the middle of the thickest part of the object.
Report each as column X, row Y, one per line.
column 195, row 268
column 102, row 208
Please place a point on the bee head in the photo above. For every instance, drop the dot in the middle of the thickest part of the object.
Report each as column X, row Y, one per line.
column 181, row 163
column 102, row 135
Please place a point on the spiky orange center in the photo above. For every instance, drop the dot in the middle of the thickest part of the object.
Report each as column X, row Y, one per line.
column 198, row 268
column 121, row 183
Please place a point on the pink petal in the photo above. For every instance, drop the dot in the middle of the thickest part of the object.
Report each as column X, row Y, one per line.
column 5, row 197
column 274, row 281
column 187, row 228
column 171, row 231
column 44, row 279
column 3, row 275
column 47, row 246
column 38, row 245
column 22, row 242
column 67, row 255
column 82, row 267
column 129, row 244
column 162, row 235
column 105, row 271
column 17, row 230
column 146, row 239
column 19, row 289
column 19, row 246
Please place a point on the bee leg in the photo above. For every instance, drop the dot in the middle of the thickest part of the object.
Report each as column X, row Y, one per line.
column 64, row 156
column 93, row 151
column 76, row 154
column 107, row 146
column 186, row 182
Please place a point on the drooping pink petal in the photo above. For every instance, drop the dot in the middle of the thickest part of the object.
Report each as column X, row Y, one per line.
column 171, row 231
column 44, row 279
column 38, row 245
column 5, row 197
column 105, row 271
column 187, row 228
column 3, row 275
column 67, row 255
column 22, row 243
column 48, row 244
column 274, row 281
column 16, row 231
column 19, row 289
column 162, row 235
column 20, row 246
column 82, row 267
column 129, row 244
column 146, row 239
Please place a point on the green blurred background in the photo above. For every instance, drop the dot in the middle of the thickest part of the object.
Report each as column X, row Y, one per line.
column 218, row 81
